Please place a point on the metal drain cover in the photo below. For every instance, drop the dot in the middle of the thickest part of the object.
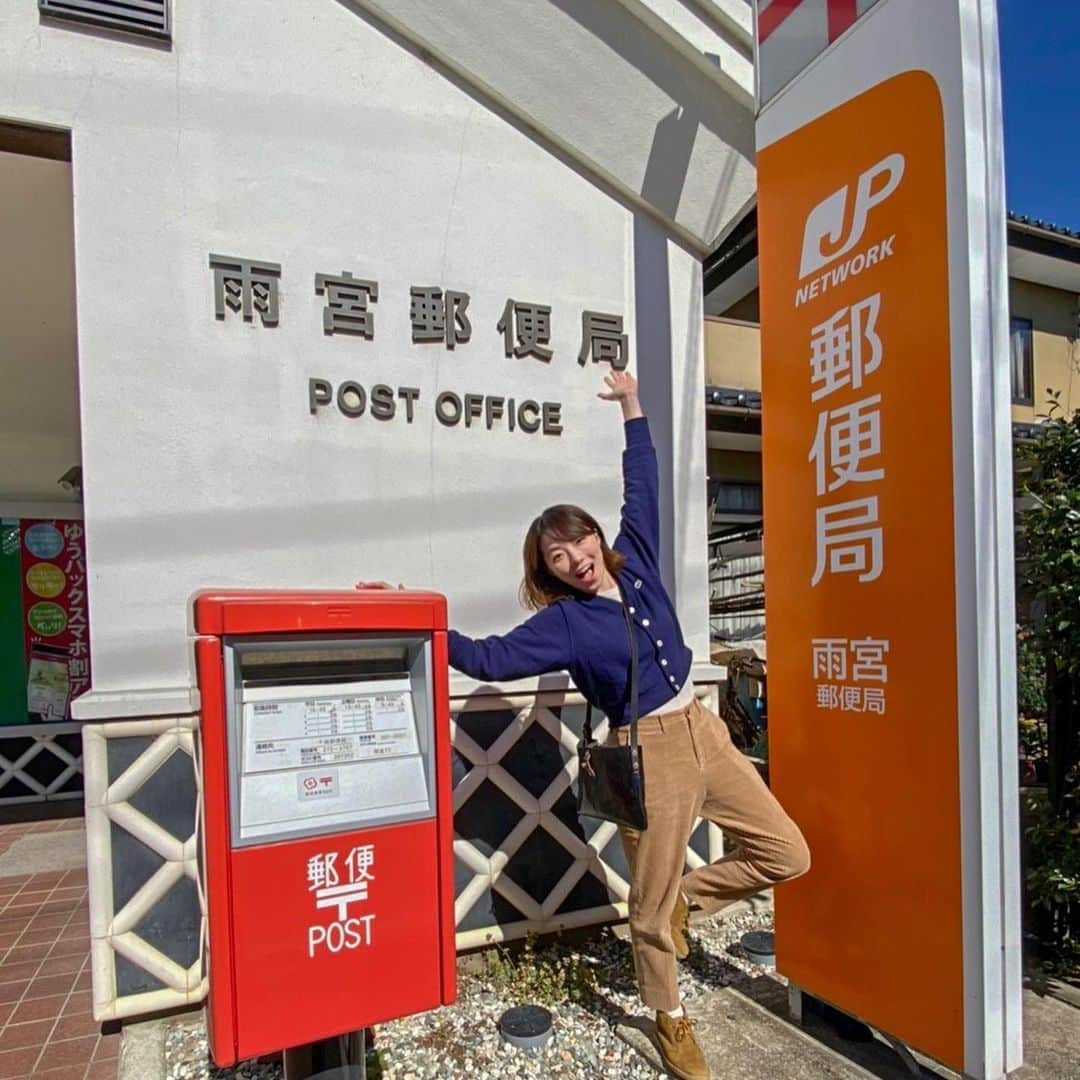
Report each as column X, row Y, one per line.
column 526, row 1026
column 760, row 947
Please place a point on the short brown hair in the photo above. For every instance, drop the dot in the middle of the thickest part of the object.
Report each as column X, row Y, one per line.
column 539, row 586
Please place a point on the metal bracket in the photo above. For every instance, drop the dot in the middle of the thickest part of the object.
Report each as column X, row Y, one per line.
column 794, row 1002
column 795, row 1011
column 906, row 1056
column 337, row 1052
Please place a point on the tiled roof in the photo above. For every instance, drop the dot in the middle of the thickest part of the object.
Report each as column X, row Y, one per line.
column 1045, row 226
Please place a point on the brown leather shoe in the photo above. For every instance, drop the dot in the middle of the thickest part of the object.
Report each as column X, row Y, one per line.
column 679, row 1051
column 680, row 924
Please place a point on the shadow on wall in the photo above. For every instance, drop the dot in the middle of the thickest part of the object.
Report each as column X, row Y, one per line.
column 699, row 106
column 673, row 143
column 504, row 814
column 665, row 67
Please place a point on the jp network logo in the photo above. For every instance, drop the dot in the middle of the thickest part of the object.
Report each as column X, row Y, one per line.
column 836, row 224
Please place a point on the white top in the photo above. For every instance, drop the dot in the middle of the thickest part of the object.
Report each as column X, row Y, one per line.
column 684, row 697
column 682, row 700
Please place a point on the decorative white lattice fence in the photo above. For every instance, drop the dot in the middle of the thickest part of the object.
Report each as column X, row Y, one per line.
column 143, row 839
column 523, row 860
column 40, row 763
column 522, row 770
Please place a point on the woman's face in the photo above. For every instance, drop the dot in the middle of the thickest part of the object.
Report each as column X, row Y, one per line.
column 579, row 563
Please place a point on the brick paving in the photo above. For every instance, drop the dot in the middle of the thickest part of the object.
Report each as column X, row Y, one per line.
column 47, row 1030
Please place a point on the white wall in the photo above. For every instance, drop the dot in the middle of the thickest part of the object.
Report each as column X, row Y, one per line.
column 300, row 134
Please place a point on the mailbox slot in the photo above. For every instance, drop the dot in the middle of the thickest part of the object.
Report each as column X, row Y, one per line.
column 328, row 733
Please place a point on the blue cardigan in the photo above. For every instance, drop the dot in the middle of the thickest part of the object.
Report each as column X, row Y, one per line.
column 586, row 635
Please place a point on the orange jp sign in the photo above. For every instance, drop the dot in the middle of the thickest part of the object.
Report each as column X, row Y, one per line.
column 861, row 602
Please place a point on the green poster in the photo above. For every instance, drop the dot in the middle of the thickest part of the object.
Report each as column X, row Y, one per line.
column 12, row 640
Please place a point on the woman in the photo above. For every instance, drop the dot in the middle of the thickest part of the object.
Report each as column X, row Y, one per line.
column 577, row 584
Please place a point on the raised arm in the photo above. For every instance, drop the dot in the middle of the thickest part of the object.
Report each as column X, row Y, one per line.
column 639, row 525
column 538, row 645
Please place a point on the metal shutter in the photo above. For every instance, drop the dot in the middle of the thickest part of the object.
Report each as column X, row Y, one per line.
column 148, row 18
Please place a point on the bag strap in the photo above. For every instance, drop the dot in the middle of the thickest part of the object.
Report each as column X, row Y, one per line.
column 586, row 728
column 634, row 756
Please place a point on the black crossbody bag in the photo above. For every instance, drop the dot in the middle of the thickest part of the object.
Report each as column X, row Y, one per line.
column 611, row 780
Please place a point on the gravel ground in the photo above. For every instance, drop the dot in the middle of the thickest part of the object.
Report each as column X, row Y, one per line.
column 592, row 979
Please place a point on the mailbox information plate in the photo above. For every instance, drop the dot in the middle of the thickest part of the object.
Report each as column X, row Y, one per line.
column 353, row 722
column 316, row 757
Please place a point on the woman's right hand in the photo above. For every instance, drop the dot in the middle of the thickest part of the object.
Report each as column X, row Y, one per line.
column 622, row 387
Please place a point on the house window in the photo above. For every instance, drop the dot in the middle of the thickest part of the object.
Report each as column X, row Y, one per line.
column 1022, row 362
column 738, row 498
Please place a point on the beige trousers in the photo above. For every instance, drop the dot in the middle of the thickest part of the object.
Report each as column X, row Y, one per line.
column 692, row 769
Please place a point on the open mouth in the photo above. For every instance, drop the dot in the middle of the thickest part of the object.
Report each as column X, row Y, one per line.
column 586, row 575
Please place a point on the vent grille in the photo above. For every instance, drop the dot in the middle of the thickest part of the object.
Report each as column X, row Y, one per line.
column 148, row 18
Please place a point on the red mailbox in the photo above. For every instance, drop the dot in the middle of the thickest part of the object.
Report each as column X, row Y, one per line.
column 328, row 816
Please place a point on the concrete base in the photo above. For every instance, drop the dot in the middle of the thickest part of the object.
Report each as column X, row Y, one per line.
column 746, row 1034
column 1051, row 1038
column 142, row 1052
column 742, row 1040
column 41, row 853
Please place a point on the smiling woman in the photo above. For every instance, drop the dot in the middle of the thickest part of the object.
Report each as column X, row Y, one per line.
column 565, row 553
column 589, row 599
